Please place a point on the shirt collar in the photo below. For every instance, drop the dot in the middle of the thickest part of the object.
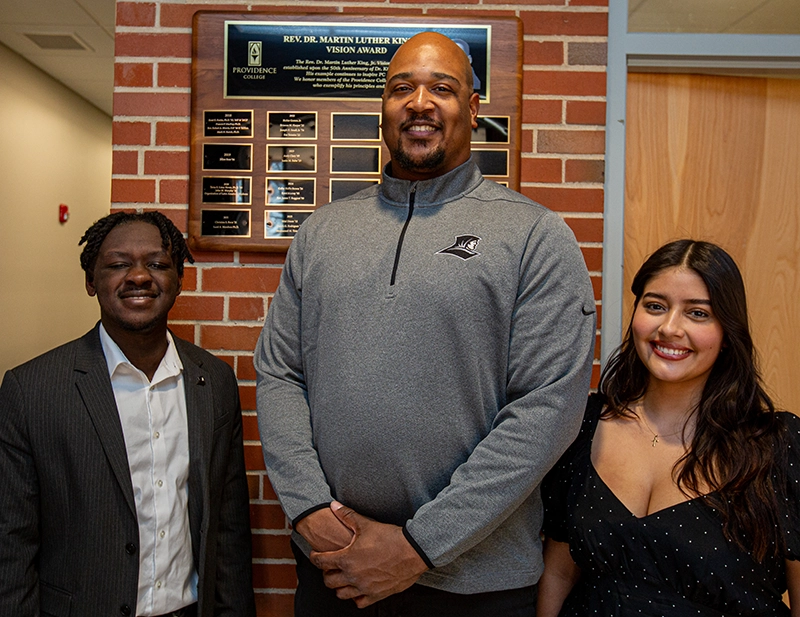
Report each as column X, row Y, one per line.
column 170, row 365
column 434, row 192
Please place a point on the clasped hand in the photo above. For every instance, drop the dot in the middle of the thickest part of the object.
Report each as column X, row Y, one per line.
column 377, row 562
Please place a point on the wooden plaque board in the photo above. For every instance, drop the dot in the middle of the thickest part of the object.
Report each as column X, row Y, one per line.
column 286, row 114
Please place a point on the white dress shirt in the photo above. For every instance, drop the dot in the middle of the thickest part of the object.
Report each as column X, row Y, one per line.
column 153, row 416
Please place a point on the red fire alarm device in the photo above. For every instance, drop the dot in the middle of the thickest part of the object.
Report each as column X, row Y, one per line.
column 63, row 213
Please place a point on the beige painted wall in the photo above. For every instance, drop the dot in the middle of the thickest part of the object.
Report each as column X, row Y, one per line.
column 54, row 148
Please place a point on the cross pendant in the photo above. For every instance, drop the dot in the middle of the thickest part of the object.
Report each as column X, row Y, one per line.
column 655, row 440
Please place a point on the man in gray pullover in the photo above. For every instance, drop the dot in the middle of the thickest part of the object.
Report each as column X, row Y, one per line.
column 424, row 362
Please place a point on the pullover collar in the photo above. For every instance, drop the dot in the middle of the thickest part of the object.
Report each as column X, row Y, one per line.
column 434, row 192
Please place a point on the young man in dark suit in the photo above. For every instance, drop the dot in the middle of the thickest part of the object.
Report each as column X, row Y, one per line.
column 121, row 458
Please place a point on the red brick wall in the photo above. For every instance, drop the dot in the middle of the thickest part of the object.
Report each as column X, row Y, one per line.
column 225, row 295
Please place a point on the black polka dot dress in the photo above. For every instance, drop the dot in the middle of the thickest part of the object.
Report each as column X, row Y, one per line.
column 674, row 562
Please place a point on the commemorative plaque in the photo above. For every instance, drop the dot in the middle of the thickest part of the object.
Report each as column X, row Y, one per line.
column 225, row 223
column 355, row 159
column 227, row 157
column 286, row 114
column 491, row 162
column 491, row 130
column 344, row 188
column 283, row 223
column 291, row 125
column 330, row 60
column 294, row 191
column 223, row 190
column 227, row 123
column 291, row 158
column 363, row 127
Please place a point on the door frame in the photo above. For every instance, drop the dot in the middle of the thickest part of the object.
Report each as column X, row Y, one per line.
column 755, row 54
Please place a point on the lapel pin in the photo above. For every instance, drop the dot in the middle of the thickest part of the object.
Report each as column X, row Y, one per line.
column 201, row 381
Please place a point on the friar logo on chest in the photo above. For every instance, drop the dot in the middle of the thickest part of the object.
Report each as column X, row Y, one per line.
column 463, row 247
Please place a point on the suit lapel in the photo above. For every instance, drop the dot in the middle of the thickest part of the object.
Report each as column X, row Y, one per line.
column 200, row 420
column 94, row 385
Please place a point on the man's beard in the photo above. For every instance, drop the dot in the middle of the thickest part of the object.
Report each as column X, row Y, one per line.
column 427, row 162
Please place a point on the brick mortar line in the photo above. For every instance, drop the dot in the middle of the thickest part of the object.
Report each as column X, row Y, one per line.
column 240, row 265
column 565, row 68
column 236, row 294
column 569, row 38
column 591, row 98
column 564, row 156
column 152, row 30
column 148, row 177
column 145, row 206
column 535, row 127
column 159, row 148
column 232, row 323
column 153, row 59
column 529, row 126
column 151, row 90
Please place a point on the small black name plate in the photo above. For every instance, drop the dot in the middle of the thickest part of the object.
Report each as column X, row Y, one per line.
column 356, row 126
column 225, row 223
column 491, row 130
column 291, row 125
column 219, row 190
column 228, row 123
column 491, row 162
column 354, row 159
column 344, row 188
column 283, row 223
column 227, row 157
column 291, row 158
column 292, row 191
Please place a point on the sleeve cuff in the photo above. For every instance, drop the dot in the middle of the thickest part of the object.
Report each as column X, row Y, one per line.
column 417, row 548
column 302, row 515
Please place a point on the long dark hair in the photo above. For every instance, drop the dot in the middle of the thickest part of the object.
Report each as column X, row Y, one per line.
column 732, row 452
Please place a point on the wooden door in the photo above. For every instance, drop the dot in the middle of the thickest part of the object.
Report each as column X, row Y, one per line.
column 718, row 159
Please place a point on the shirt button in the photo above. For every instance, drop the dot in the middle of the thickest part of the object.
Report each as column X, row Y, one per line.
column 130, row 548
column 158, row 584
column 163, row 533
column 156, row 434
column 160, row 483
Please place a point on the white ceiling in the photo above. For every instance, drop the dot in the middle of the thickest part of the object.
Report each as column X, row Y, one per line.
column 89, row 24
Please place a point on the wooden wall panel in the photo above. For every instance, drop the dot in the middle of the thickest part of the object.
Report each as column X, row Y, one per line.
column 718, row 159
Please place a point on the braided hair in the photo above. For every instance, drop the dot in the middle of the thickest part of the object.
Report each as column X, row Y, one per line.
column 171, row 239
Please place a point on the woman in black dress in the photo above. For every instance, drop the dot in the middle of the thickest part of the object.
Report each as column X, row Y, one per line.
column 681, row 494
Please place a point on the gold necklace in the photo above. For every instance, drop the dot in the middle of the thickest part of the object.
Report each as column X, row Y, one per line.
column 655, row 435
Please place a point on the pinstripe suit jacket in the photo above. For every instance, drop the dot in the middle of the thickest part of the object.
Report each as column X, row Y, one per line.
column 69, row 540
